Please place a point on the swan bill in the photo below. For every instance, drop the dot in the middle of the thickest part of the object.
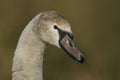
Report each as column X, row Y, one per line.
column 68, row 46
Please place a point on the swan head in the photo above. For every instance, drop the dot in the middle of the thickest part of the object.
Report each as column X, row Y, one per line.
column 55, row 29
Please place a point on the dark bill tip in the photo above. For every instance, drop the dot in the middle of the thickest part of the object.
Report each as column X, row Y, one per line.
column 82, row 59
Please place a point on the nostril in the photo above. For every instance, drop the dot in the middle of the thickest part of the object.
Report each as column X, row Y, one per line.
column 70, row 43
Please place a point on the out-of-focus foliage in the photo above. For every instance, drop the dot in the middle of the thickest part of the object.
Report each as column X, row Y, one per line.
column 96, row 28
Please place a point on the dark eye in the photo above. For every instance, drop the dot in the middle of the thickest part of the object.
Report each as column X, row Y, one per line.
column 55, row 27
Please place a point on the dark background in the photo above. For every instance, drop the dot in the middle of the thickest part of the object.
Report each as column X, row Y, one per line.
column 96, row 28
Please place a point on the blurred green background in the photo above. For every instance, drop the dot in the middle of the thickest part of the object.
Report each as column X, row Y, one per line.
column 96, row 28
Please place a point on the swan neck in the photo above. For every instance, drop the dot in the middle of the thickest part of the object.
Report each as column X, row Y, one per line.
column 28, row 58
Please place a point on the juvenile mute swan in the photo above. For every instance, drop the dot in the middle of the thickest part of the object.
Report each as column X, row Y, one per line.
column 47, row 27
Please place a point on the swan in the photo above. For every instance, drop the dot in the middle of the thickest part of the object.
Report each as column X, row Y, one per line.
column 47, row 27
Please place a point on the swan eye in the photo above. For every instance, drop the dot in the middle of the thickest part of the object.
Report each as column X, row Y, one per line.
column 55, row 27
